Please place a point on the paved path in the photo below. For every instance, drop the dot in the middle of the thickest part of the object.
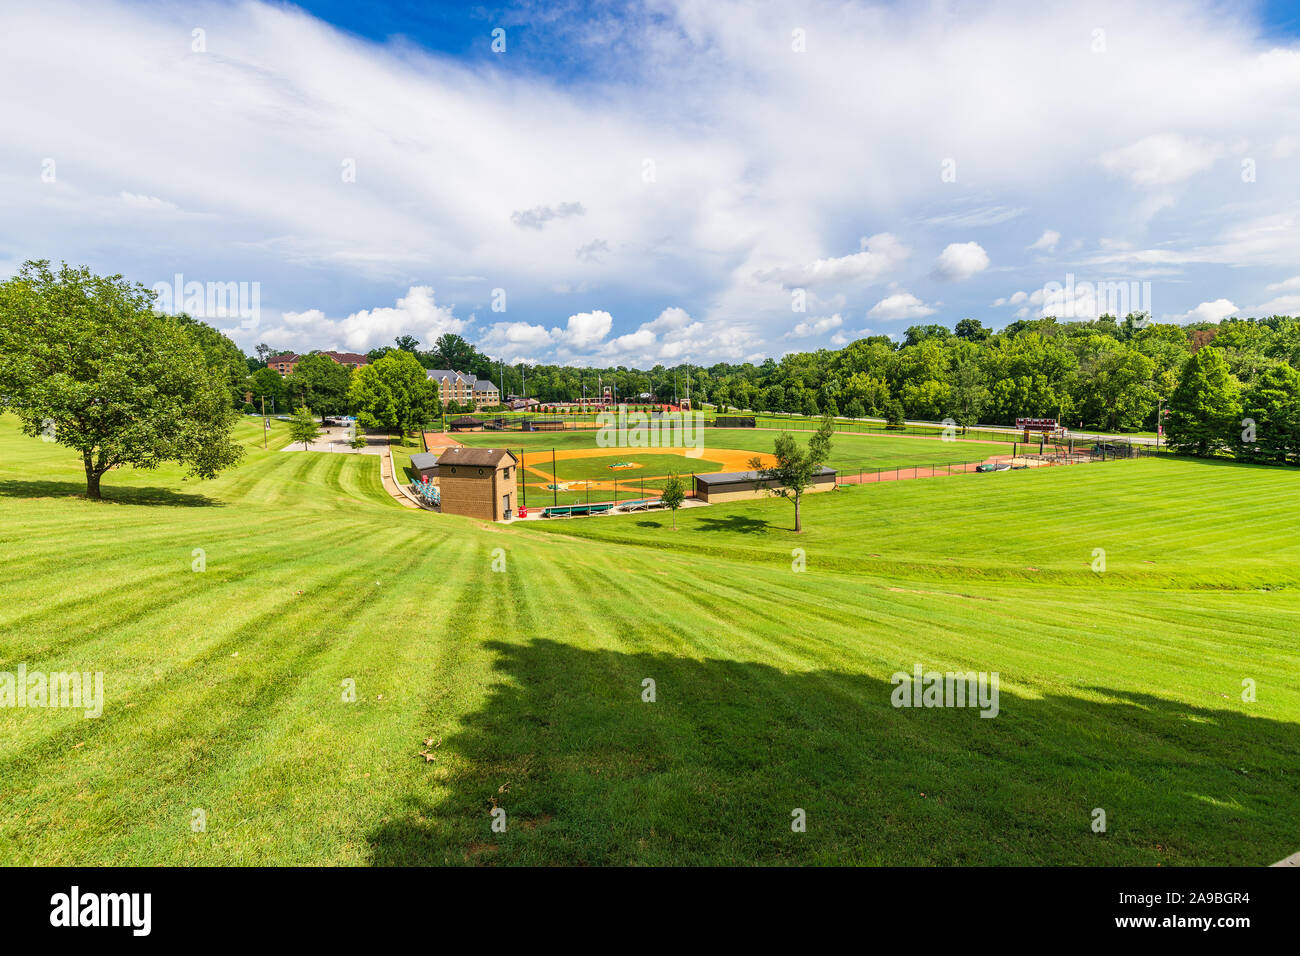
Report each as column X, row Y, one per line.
column 338, row 440
column 390, row 483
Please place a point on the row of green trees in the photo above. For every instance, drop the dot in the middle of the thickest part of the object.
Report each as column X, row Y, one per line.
column 1212, row 412
column 1094, row 374
column 1106, row 373
column 86, row 361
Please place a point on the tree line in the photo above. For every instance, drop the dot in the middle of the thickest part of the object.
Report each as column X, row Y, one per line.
column 89, row 362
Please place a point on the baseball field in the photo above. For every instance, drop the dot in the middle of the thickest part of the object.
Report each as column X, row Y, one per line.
column 581, row 470
column 320, row 676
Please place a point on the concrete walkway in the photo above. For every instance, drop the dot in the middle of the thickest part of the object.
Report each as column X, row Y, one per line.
column 391, row 484
column 338, row 440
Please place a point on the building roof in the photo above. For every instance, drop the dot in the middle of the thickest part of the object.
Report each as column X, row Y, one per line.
column 478, row 384
column 482, row 457
column 424, row 459
column 735, row 477
column 343, row 358
column 347, row 358
column 438, row 374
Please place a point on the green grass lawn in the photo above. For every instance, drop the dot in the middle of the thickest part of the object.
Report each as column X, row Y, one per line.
column 523, row 689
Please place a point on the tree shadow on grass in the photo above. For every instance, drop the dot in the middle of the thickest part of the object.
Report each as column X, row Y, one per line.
column 734, row 524
column 113, row 494
column 712, row 771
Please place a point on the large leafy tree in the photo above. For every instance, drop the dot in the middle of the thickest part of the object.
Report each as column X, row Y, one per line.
column 321, row 384
column 1205, row 408
column 222, row 355
column 267, row 384
column 393, row 393
column 453, row 352
column 85, row 360
column 1272, row 403
column 795, row 466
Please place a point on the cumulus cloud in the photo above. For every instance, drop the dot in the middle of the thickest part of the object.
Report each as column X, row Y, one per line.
column 1047, row 242
column 539, row 216
column 880, row 255
column 1214, row 311
column 1161, row 159
column 460, row 166
column 587, row 328
column 900, row 305
column 960, row 260
column 813, row 327
column 416, row 313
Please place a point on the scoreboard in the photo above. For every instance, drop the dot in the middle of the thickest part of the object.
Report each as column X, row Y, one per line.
column 1037, row 424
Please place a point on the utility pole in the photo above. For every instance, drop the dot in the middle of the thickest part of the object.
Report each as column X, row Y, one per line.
column 266, row 426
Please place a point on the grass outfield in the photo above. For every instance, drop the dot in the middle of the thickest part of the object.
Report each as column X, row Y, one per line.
column 523, row 689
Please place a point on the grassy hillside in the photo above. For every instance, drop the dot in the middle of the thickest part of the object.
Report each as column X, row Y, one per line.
column 522, row 688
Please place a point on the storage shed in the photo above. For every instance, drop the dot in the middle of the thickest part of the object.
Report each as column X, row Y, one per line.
column 478, row 482
column 741, row 485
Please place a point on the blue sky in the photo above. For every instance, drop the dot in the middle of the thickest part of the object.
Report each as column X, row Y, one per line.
column 665, row 181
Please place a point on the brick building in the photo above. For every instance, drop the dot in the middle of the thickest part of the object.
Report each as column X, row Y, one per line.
column 288, row 361
column 463, row 388
column 478, row 482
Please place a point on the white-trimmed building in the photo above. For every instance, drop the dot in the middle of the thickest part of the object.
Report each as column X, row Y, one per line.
column 462, row 388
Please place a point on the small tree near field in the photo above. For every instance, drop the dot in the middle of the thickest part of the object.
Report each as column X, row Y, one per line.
column 673, row 494
column 795, row 466
column 303, row 428
column 85, row 361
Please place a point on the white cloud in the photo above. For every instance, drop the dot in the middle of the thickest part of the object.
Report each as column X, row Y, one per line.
column 415, row 313
column 1282, row 305
column 812, row 327
column 465, row 168
column 1047, row 242
column 1161, row 159
column 900, row 305
column 881, row 254
column 587, row 328
column 669, row 320
column 1214, row 311
column 1284, row 285
column 960, row 260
